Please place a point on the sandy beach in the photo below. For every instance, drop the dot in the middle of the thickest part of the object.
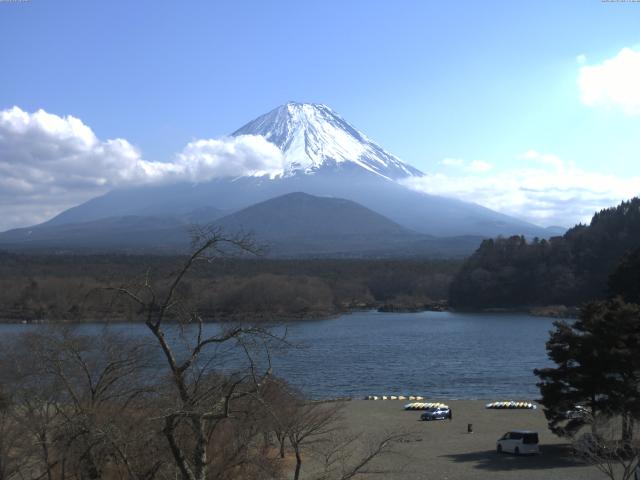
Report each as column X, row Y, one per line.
column 444, row 450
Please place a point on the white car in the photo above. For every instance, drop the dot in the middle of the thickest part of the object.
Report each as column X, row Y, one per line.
column 519, row 442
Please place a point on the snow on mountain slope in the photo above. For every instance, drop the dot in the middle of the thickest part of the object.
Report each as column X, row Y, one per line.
column 314, row 137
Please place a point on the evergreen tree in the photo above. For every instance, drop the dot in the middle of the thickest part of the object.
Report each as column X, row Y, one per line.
column 625, row 280
column 568, row 270
column 597, row 366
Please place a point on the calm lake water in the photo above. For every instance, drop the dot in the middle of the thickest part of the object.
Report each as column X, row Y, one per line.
column 435, row 354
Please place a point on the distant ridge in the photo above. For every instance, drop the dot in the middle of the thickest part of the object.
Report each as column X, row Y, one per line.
column 300, row 214
column 292, row 225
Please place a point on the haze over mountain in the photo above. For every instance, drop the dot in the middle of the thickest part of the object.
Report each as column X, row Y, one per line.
column 292, row 225
column 302, row 224
column 323, row 156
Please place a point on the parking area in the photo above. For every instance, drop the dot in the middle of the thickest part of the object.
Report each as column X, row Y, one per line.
column 445, row 450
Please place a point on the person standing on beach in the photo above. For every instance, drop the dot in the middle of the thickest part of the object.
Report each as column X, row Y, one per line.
column 450, row 415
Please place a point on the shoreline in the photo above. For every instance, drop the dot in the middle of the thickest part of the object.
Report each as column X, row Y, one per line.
column 550, row 311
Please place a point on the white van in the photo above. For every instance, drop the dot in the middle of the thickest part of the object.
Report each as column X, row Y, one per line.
column 518, row 442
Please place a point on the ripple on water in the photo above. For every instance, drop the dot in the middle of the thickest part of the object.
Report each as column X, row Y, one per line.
column 438, row 354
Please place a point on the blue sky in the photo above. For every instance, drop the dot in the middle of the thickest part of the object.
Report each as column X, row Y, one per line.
column 473, row 93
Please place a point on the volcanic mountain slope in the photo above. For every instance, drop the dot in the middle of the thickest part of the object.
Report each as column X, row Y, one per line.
column 325, row 156
column 314, row 138
column 298, row 224
column 292, row 225
column 302, row 215
column 128, row 233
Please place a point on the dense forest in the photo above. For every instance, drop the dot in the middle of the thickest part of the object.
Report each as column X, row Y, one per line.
column 79, row 287
column 509, row 273
column 568, row 270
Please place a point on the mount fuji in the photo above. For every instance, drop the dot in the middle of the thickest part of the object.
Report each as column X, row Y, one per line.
column 325, row 157
column 313, row 139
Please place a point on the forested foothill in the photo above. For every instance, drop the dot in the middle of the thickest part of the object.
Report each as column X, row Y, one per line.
column 73, row 288
column 568, row 270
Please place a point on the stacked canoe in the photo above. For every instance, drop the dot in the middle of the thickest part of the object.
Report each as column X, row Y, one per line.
column 424, row 405
column 393, row 397
column 511, row 405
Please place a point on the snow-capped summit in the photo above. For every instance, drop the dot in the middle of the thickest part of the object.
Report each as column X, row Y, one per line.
column 313, row 137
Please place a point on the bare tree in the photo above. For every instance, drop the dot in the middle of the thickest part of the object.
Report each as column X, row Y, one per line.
column 12, row 441
column 77, row 399
column 609, row 447
column 202, row 400
column 311, row 423
column 345, row 456
column 317, row 429
column 38, row 414
column 281, row 404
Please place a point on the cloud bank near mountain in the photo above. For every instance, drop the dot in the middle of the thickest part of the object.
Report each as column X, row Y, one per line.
column 49, row 163
column 542, row 188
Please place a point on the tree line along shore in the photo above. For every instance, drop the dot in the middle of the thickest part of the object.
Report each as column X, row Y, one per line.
column 76, row 288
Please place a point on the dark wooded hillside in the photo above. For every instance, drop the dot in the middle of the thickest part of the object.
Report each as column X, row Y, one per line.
column 568, row 270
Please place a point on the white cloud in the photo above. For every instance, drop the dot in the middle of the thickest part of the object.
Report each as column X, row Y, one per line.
column 203, row 160
column 613, row 83
column 479, row 166
column 49, row 163
column 546, row 158
column 452, row 162
column 542, row 189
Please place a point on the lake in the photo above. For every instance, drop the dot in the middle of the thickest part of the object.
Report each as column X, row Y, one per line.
column 440, row 355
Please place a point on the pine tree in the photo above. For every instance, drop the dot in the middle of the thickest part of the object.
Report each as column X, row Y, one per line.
column 597, row 366
column 625, row 280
